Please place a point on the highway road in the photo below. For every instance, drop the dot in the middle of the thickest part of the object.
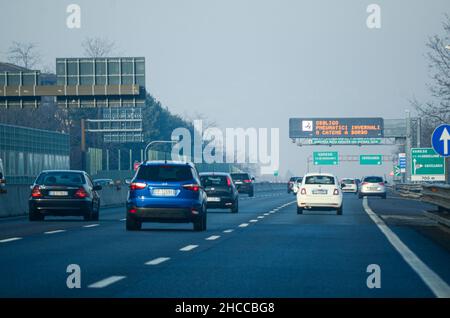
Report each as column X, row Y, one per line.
column 266, row 250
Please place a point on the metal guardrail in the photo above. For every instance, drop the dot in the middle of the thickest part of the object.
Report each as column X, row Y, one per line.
column 438, row 195
column 409, row 190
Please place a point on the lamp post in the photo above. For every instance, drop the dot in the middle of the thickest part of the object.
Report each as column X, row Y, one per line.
column 156, row 142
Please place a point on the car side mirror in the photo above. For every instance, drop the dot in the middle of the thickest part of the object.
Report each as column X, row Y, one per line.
column 127, row 181
column 342, row 186
column 97, row 187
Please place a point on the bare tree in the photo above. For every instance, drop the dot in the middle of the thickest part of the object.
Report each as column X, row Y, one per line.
column 24, row 54
column 438, row 110
column 98, row 47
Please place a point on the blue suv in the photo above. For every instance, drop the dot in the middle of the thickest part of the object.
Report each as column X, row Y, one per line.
column 167, row 192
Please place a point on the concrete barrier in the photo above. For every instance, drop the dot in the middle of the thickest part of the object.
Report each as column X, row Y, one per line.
column 15, row 201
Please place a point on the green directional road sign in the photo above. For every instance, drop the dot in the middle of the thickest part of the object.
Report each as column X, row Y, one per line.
column 427, row 165
column 371, row 160
column 397, row 171
column 325, row 158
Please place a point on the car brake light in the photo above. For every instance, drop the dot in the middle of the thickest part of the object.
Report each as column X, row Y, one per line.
column 132, row 210
column 192, row 187
column 336, row 192
column 36, row 192
column 303, row 191
column 81, row 193
column 247, row 181
column 381, row 183
column 228, row 182
column 137, row 186
column 364, row 183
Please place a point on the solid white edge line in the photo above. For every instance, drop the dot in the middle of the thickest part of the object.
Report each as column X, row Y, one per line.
column 188, row 248
column 212, row 237
column 157, row 261
column 106, row 282
column 11, row 239
column 55, row 231
column 438, row 286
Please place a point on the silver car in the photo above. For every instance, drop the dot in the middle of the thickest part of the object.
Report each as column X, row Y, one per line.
column 372, row 186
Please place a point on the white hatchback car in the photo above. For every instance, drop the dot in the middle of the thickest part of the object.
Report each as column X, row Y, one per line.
column 320, row 191
column 349, row 185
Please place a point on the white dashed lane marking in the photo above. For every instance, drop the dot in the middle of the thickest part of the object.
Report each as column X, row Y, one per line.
column 54, row 232
column 212, row 238
column 188, row 248
column 106, row 282
column 91, row 225
column 157, row 261
column 228, row 231
column 243, row 225
column 11, row 239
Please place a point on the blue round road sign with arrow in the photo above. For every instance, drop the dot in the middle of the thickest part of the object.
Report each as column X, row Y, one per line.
column 441, row 140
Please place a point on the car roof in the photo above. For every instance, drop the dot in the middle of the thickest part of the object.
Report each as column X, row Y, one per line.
column 319, row 174
column 168, row 162
column 226, row 174
column 74, row 171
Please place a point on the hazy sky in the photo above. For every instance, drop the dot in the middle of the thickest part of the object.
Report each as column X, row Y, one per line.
column 254, row 63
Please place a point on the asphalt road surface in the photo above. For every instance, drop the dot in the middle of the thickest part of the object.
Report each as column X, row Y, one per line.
column 266, row 250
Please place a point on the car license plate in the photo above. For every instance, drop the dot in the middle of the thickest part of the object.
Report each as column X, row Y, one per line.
column 319, row 191
column 213, row 199
column 58, row 193
column 374, row 189
column 164, row 192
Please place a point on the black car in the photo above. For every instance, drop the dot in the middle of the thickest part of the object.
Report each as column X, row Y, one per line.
column 244, row 183
column 220, row 190
column 64, row 193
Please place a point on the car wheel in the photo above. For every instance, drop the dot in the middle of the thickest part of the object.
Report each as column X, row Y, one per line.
column 200, row 222
column 235, row 207
column 339, row 211
column 299, row 210
column 33, row 215
column 89, row 214
column 132, row 224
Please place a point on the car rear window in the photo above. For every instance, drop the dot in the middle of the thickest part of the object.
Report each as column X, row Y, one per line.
column 240, row 176
column 209, row 181
column 319, row 180
column 164, row 173
column 373, row 179
column 348, row 181
column 61, row 178
column 293, row 179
